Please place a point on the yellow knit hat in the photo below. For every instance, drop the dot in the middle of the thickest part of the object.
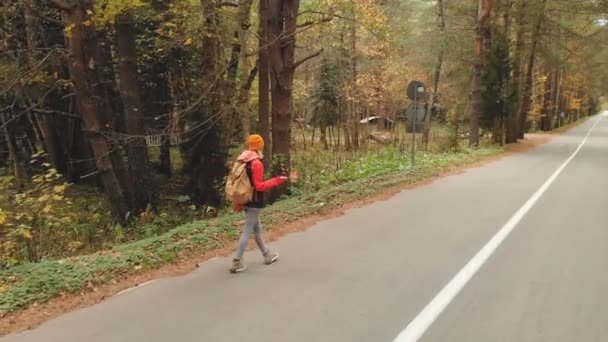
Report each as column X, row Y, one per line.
column 255, row 142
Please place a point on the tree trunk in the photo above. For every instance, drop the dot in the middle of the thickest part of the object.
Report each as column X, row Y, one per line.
column 526, row 102
column 497, row 129
column 352, row 117
column 20, row 172
column 158, row 100
column 229, row 91
column 436, row 76
column 338, row 138
column 345, row 116
column 102, row 56
column 243, row 102
column 165, row 155
column 556, row 101
column 82, row 162
column 83, row 43
column 515, row 91
column 205, row 150
column 281, row 35
column 485, row 8
column 346, row 126
column 547, row 112
column 239, row 114
column 506, row 17
column 432, row 98
column 264, row 82
column 46, row 123
column 244, row 15
column 3, row 149
column 506, row 115
column 35, row 129
column 144, row 193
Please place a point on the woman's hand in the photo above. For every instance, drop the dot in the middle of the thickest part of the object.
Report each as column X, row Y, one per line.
column 294, row 176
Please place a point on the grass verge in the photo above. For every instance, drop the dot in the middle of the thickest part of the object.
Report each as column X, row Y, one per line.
column 29, row 284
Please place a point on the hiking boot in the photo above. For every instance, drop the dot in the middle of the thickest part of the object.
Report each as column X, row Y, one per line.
column 237, row 266
column 270, row 257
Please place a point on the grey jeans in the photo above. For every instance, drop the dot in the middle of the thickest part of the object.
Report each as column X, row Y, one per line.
column 252, row 225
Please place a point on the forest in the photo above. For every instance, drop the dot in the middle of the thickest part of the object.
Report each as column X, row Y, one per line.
column 120, row 119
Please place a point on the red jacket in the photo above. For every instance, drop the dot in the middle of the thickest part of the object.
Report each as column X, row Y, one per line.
column 256, row 176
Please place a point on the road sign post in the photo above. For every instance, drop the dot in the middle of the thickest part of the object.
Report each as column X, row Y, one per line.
column 414, row 128
column 414, row 91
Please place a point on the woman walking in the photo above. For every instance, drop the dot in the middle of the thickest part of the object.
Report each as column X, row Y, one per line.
column 252, row 157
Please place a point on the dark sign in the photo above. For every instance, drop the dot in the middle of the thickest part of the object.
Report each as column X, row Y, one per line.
column 416, row 90
column 416, row 113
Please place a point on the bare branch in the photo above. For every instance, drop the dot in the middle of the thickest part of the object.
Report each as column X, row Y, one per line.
column 279, row 38
column 56, row 113
column 311, row 22
column 228, row 4
column 32, row 107
column 17, row 79
column 11, row 106
column 305, row 59
column 41, row 15
column 251, row 77
column 64, row 5
column 94, row 173
column 341, row 17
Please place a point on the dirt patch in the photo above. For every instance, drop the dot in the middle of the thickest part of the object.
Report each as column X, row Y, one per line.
column 37, row 314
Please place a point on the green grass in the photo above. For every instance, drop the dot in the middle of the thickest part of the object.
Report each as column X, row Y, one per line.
column 25, row 284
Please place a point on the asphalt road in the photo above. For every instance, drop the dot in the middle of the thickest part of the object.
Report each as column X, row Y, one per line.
column 540, row 220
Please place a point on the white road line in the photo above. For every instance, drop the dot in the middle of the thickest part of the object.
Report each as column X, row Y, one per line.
column 135, row 287
column 153, row 280
column 435, row 307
